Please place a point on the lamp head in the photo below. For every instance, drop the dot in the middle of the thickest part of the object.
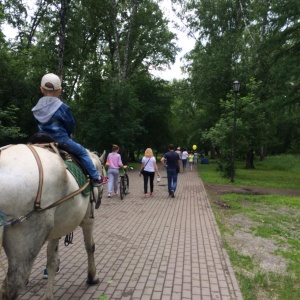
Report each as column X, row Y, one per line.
column 236, row 86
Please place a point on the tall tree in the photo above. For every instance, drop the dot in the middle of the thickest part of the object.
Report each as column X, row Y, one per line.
column 101, row 61
column 244, row 40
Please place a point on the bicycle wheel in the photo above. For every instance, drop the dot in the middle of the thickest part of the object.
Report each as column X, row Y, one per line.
column 126, row 184
column 122, row 192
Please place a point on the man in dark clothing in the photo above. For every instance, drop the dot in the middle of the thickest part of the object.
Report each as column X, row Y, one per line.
column 170, row 161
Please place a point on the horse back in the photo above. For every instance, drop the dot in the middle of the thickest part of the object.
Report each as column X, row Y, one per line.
column 20, row 176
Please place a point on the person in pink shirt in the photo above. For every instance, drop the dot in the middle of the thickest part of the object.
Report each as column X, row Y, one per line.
column 114, row 162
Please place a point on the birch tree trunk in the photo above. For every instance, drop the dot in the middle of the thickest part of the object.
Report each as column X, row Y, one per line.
column 127, row 47
column 116, row 35
column 36, row 22
column 62, row 35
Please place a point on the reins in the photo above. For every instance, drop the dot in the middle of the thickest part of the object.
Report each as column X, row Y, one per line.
column 27, row 215
column 37, row 203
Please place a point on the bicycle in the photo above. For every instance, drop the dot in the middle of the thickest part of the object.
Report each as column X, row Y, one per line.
column 124, row 182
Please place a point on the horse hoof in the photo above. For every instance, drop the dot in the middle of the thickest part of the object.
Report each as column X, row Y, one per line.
column 92, row 281
column 98, row 203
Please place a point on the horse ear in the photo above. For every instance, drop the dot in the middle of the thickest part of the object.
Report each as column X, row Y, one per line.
column 102, row 157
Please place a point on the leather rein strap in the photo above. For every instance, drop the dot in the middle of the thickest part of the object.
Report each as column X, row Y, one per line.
column 37, row 203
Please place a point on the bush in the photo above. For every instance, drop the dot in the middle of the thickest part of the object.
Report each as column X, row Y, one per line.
column 225, row 167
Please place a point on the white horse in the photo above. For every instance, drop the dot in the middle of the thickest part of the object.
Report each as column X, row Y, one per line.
column 27, row 225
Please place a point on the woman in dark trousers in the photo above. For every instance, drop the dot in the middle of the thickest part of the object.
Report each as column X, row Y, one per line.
column 148, row 169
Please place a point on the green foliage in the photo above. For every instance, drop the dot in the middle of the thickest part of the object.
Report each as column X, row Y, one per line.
column 256, row 43
column 8, row 128
column 109, row 48
column 110, row 115
column 251, row 124
column 107, row 54
column 224, row 167
column 155, row 113
column 185, row 111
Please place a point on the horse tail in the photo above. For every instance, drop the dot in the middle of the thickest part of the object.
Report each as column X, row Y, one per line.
column 1, row 244
column 2, row 224
column 1, row 238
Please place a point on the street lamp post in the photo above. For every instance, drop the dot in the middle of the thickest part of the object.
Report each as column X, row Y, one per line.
column 236, row 88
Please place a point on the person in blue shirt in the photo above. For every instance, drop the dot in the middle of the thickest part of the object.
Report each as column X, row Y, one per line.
column 55, row 119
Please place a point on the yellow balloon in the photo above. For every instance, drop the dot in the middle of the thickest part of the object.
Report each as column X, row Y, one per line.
column 194, row 147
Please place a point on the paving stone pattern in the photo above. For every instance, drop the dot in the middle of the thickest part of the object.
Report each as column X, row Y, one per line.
column 157, row 248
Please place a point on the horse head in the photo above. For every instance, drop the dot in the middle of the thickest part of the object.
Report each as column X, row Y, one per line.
column 98, row 161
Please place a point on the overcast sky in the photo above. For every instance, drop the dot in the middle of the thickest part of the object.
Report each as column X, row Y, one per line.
column 184, row 42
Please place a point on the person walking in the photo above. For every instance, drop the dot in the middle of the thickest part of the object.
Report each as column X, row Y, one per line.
column 170, row 161
column 180, row 154
column 196, row 156
column 184, row 156
column 114, row 162
column 148, row 169
column 55, row 119
column 191, row 160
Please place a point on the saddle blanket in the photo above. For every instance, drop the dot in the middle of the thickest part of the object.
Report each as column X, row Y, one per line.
column 78, row 175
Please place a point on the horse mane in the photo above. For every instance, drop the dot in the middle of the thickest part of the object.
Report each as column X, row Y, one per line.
column 94, row 155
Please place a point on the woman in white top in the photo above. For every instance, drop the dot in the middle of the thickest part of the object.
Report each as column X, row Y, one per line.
column 184, row 156
column 149, row 165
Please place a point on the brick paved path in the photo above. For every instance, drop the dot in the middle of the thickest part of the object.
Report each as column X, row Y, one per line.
column 156, row 248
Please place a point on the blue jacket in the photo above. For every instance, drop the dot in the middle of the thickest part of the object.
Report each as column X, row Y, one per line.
column 54, row 118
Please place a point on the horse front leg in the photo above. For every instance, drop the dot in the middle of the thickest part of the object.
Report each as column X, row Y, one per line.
column 52, row 264
column 87, row 229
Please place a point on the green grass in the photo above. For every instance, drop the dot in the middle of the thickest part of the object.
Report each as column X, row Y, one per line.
column 274, row 218
column 135, row 165
column 275, row 172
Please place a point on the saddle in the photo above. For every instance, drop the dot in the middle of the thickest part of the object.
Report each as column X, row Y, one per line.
column 73, row 164
column 47, row 141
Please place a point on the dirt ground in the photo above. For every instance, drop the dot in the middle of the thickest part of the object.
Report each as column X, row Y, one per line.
column 221, row 189
column 241, row 237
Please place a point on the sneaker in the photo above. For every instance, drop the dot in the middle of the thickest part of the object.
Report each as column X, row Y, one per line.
column 172, row 194
column 109, row 195
column 45, row 274
column 146, row 195
column 100, row 181
column 151, row 194
column 116, row 193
